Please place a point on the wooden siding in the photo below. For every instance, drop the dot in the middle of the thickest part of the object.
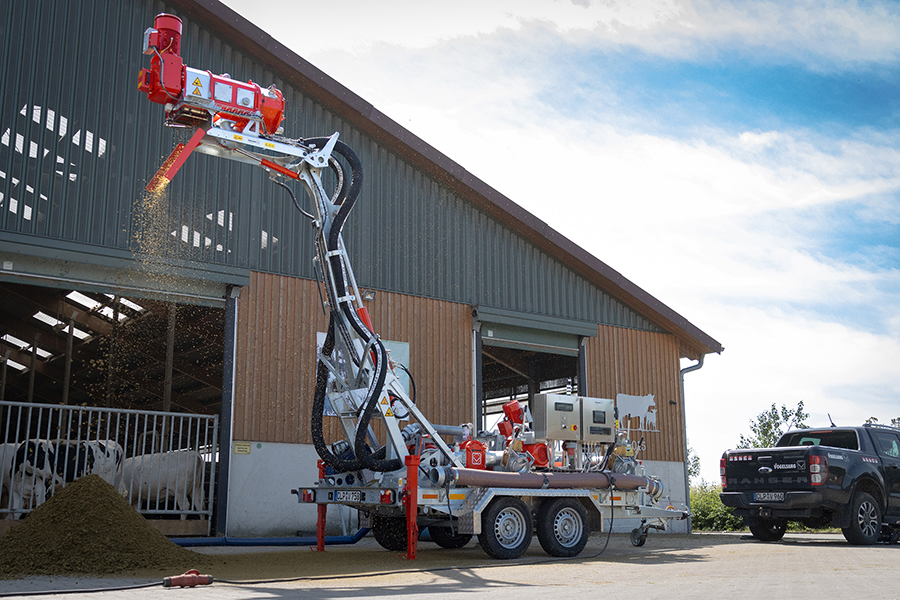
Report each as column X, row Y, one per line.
column 278, row 318
column 627, row 361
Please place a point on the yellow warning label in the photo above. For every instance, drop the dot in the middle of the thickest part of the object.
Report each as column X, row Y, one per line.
column 196, row 92
column 242, row 447
column 269, row 145
column 384, row 400
column 197, row 82
column 388, row 413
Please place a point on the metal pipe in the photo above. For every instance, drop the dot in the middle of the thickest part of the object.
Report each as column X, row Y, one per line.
column 687, row 479
column 70, row 341
column 273, row 541
column 170, row 358
column 440, row 476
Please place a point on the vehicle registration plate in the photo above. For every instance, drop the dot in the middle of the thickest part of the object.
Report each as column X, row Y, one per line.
column 348, row 496
column 768, row 497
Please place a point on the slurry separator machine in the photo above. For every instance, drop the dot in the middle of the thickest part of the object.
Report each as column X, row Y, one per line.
column 560, row 468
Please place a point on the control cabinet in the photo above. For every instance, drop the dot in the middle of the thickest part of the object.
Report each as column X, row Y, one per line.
column 573, row 419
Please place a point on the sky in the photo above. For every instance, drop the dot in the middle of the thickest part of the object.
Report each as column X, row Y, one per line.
column 739, row 161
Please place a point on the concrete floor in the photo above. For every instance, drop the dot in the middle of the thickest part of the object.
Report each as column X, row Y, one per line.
column 668, row 566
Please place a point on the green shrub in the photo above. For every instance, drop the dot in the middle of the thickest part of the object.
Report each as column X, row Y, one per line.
column 708, row 512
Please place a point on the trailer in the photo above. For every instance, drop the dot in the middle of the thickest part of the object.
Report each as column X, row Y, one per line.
column 560, row 469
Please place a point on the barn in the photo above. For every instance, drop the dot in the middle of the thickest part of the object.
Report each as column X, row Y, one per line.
column 182, row 326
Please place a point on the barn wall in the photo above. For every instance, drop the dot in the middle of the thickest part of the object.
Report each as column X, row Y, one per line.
column 637, row 363
column 278, row 318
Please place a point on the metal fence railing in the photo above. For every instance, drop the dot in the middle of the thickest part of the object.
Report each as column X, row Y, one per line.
column 162, row 463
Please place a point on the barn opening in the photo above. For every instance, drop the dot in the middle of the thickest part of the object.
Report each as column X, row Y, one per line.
column 521, row 355
column 88, row 369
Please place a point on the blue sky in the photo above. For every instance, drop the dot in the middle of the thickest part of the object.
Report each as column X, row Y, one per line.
column 744, row 162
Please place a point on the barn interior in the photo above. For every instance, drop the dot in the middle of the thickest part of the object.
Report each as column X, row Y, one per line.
column 79, row 347
column 517, row 374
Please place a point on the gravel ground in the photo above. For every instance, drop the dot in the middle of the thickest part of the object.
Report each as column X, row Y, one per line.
column 696, row 566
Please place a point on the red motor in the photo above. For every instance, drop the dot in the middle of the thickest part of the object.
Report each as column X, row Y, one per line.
column 163, row 82
column 194, row 97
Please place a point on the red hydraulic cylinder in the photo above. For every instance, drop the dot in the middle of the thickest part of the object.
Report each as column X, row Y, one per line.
column 411, row 500
column 322, row 509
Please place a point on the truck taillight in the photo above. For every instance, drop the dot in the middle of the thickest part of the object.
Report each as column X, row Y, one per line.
column 307, row 495
column 722, row 472
column 818, row 469
column 387, row 496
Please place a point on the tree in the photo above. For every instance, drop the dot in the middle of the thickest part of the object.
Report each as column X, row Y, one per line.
column 770, row 425
column 693, row 463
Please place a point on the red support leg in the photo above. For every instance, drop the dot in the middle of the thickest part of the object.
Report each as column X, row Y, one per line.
column 322, row 510
column 412, row 505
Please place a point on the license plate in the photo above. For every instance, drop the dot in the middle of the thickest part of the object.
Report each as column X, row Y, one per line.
column 768, row 497
column 348, row 496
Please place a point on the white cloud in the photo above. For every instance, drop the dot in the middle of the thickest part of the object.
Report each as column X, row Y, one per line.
column 825, row 34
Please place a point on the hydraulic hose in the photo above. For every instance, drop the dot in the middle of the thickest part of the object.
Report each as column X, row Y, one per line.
column 365, row 458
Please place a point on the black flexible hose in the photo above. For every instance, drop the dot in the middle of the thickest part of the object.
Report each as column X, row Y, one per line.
column 341, row 465
column 346, row 199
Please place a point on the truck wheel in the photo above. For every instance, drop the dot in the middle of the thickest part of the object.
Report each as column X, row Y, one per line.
column 443, row 537
column 865, row 520
column 506, row 528
column 638, row 537
column 562, row 527
column 390, row 532
column 769, row 530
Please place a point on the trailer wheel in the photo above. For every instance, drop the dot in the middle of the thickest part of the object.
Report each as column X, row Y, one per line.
column 638, row 537
column 769, row 530
column 390, row 532
column 865, row 520
column 443, row 537
column 506, row 528
column 562, row 527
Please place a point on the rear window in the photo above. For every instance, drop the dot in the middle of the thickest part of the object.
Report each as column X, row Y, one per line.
column 846, row 439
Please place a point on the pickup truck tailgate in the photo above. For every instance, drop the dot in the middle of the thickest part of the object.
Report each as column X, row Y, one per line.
column 769, row 469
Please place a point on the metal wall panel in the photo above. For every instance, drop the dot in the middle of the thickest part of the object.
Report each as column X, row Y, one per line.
column 278, row 318
column 626, row 361
column 78, row 142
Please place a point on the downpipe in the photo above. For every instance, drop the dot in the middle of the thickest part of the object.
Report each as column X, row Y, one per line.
column 687, row 479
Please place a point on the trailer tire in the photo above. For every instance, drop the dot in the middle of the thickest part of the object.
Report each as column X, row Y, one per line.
column 443, row 537
column 506, row 528
column 390, row 532
column 562, row 527
column 865, row 520
column 769, row 530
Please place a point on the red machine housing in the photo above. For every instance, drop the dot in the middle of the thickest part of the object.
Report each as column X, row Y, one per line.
column 194, row 97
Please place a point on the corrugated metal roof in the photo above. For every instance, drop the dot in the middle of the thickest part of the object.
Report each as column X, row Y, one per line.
column 78, row 141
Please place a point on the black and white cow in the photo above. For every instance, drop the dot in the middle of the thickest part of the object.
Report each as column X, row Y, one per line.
column 40, row 466
column 155, row 478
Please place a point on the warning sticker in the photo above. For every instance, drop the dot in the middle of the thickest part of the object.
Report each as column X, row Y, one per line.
column 197, row 92
column 197, row 82
column 388, row 413
column 384, row 400
column 242, row 447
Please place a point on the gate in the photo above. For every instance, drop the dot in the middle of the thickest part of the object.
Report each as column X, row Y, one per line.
column 163, row 463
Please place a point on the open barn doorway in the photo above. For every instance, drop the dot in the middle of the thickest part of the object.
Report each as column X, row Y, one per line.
column 514, row 374
column 125, row 385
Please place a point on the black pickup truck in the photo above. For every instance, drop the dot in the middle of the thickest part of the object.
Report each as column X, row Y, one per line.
column 846, row 477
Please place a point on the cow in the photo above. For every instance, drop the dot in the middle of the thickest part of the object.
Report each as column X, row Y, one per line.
column 7, row 460
column 40, row 466
column 156, row 477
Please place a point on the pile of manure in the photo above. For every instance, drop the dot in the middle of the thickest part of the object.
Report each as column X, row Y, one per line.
column 88, row 528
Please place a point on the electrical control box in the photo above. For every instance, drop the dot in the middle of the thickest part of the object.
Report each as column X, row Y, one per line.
column 556, row 417
column 598, row 424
